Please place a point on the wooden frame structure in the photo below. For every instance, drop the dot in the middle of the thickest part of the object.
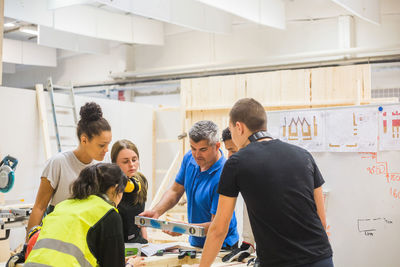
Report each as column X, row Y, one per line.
column 210, row 98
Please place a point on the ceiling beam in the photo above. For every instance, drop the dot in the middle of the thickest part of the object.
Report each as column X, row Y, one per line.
column 54, row 4
column 28, row 53
column 186, row 13
column 269, row 13
column 366, row 10
column 89, row 21
column 73, row 42
column 97, row 23
column 36, row 12
column 346, row 32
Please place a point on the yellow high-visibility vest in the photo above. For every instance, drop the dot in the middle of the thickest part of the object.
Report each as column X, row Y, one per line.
column 62, row 240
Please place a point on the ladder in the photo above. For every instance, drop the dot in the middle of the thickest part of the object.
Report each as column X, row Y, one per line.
column 51, row 88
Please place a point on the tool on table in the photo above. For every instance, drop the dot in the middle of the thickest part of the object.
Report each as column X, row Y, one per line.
column 254, row 262
column 7, row 176
column 132, row 249
column 160, row 252
column 182, row 228
column 12, row 218
column 187, row 252
column 240, row 253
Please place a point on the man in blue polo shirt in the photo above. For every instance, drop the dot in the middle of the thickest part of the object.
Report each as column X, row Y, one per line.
column 199, row 177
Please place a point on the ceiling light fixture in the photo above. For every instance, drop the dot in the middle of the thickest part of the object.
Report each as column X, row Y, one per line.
column 29, row 30
column 9, row 24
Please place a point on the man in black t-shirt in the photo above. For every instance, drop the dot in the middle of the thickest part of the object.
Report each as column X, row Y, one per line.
column 281, row 185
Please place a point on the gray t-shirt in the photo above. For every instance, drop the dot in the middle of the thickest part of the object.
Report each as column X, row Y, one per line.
column 61, row 170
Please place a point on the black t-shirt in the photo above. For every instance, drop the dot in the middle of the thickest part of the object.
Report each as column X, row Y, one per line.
column 128, row 211
column 106, row 242
column 277, row 181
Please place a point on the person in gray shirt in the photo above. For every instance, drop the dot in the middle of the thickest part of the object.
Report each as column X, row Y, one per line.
column 94, row 134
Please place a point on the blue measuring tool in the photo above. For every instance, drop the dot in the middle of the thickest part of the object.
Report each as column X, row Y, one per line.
column 181, row 228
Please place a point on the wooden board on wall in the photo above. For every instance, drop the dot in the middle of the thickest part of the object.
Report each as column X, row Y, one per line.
column 1, row 38
column 207, row 97
column 345, row 83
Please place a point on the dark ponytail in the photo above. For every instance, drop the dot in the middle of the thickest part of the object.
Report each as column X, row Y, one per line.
column 97, row 179
column 92, row 122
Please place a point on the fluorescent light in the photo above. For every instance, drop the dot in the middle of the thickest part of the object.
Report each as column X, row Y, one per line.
column 29, row 29
column 9, row 24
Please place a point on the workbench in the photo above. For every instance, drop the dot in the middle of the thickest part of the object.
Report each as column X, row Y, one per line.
column 11, row 216
column 171, row 260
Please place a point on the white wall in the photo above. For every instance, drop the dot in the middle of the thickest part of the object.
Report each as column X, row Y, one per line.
column 80, row 69
column 172, row 100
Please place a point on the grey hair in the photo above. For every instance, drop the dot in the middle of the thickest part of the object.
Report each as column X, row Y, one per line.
column 204, row 130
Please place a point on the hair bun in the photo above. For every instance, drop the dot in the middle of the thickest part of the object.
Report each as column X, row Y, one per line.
column 91, row 112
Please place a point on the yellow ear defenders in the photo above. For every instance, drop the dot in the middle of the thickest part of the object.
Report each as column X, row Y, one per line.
column 133, row 185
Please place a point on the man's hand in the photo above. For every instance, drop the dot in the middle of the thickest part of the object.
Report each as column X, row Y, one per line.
column 134, row 261
column 171, row 233
column 239, row 253
column 150, row 214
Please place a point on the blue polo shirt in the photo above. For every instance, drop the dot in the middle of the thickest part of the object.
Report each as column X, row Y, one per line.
column 202, row 197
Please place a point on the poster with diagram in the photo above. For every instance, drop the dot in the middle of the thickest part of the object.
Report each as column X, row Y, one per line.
column 305, row 129
column 389, row 127
column 352, row 130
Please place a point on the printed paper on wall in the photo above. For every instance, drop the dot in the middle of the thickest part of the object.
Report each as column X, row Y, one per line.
column 352, row 130
column 305, row 129
column 389, row 128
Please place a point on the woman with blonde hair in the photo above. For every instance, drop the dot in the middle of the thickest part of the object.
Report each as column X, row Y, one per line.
column 126, row 155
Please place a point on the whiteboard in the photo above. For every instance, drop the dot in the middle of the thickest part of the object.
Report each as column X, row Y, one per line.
column 363, row 203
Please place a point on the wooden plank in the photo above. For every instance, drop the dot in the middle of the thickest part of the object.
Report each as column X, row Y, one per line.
column 320, row 84
column 159, row 141
column 4, row 247
column 385, row 100
column 185, row 87
column 43, row 120
column 153, row 178
column 166, row 180
column 1, row 38
column 162, row 108
column 281, row 106
column 264, row 87
column 366, row 71
column 256, row 86
column 240, row 88
column 295, row 86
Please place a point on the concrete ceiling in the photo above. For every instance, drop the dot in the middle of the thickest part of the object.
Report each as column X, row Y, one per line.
column 92, row 26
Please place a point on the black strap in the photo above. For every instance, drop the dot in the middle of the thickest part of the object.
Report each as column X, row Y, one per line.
column 259, row 135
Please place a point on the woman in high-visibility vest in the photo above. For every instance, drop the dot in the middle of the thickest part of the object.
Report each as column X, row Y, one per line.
column 94, row 136
column 126, row 155
column 86, row 230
